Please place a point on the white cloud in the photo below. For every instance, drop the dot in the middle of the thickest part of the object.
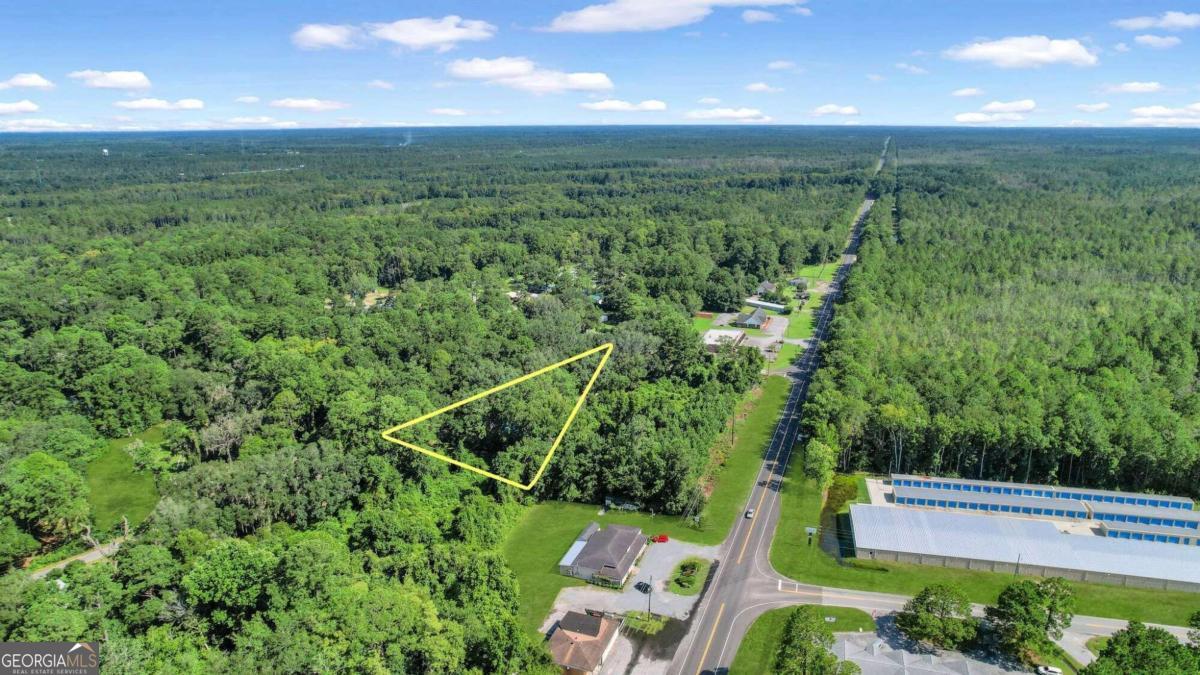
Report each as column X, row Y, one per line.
column 161, row 104
column 246, row 99
column 18, row 107
column 1030, row 51
column 708, row 100
column 987, row 118
column 309, row 104
column 729, row 114
column 781, row 65
column 326, row 36
column 27, row 80
column 802, row 11
column 1092, row 107
column 1082, row 123
column 1162, row 116
column 112, row 79
column 491, row 69
column 1022, row 106
column 427, row 33
column 1134, row 88
column 911, row 69
column 875, row 77
column 261, row 121
column 35, row 124
column 1121, row 47
column 616, row 105
column 645, row 15
column 518, row 72
column 380, row 84
column 1192, row 110
column 967, row 91
column 834, row 109
column 763, row 88
column 1158, row 41
column 758, row 16
column 1165, row 21
column 453, row 112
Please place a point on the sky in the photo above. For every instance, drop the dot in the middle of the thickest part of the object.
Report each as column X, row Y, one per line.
column 152, row 65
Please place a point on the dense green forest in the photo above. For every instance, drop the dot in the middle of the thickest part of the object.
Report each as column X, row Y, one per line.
column 1026, row 306
column 266, row 303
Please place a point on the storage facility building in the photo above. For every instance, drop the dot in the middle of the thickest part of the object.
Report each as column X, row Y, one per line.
column 1019, row 546
column 1041, row 507
column 1050, row 491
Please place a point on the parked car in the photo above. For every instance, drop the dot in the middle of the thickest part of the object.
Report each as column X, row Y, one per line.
column 642, row 587
column 1049, row 670
column 749, row 513
column 660, row 539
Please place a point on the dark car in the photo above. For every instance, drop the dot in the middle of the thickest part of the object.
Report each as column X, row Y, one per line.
column 642, row 587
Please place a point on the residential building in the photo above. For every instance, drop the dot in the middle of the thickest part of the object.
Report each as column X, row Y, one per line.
column 715, row 338
column 604, row 557
column 580, row 642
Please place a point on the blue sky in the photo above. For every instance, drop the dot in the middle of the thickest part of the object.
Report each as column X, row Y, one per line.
column 72, row 65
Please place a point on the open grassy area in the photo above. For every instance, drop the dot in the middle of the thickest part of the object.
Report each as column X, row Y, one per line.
column 546, row 530
column 701, row 324
column 116, row 489
column 787, row 354
column 801, row 506
column 803, row 322
column 1097, row 644
column 692, row 583
column 819, row 272
column 757, row 653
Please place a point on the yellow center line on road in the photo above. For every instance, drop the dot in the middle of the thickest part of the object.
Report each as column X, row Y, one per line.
column 753, row 522
column 713, row 634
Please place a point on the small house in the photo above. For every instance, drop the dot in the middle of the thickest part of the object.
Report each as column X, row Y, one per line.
column 754, row 319
column 715, row 338
column 605, row 556
column 581, row 642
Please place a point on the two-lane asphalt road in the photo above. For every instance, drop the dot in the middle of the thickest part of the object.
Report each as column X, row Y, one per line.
column 744, row 585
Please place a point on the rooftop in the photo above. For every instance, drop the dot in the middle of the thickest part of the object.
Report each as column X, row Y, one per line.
column 991, row 498
column 580, row 639
column 715, row 336
column 1035, row 486
column 1012, row 540
column 612, row 550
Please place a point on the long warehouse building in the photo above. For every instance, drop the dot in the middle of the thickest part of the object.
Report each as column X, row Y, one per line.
column 1052, row 491
column 1018, row 546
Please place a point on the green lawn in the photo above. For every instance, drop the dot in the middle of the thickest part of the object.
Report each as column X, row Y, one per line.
column 698, row 576
column 116, row 489
column 819, row 272
column 787, row 353
column 792, row 556
column 546, row 530
column 700, row 324
column 1097, row 644
column 757, row 653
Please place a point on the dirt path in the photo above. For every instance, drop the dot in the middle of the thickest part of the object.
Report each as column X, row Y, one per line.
column 87, row 557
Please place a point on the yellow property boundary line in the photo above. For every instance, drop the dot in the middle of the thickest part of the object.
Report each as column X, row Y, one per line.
column 607, row 348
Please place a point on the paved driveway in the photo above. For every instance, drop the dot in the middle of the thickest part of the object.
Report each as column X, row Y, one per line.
column 654, row 568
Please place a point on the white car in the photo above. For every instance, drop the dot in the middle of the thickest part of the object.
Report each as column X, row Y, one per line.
column 749, row 513
column 1049, row 670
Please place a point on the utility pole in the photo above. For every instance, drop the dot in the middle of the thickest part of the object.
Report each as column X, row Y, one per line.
column 649, row 595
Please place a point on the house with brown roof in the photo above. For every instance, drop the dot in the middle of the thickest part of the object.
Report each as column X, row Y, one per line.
column 580, row 642
column 604, row 556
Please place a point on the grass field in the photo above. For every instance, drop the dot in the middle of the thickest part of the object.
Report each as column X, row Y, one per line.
column 1097, row 644
column 546, row 530
column 820, row 272
column 700, row 324
column 787, row 354
column 791, row 555
column 757, row 653
column 1055, row 656
column 803, row 322
column 698, row 577
column 116, row 489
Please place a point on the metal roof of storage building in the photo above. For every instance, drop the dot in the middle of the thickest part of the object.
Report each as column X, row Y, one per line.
column 1011, row 540
column 1060, row 491
column 1149, row 511
column 990, row 498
